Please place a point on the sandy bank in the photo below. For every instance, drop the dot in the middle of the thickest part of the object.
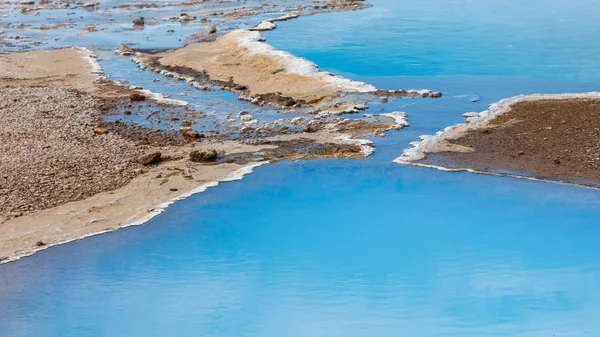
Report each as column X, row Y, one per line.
column 143, row 198
column 242, row 62
column 242, row 57
column 551, row 137
column 68, row 68
column 67, row 173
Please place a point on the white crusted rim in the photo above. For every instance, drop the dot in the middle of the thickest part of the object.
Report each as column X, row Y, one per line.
column 475, row 121
column 399, row 117
column 158, row 97
column 366, row 145
column 236, row 175
column 254, row 43
column 264, row 26
column 498, row 174
column 92, row 59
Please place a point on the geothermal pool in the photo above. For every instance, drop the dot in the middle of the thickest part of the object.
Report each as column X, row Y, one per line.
column 356, row 247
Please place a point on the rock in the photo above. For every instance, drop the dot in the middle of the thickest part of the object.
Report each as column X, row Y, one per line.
column 284, row 18
column 297, row 120
column 186, row 18
column 246, row 118
column 310, row 129
column 89, row 4
column 137, row 97
column 173, row 189
column 124, row 50
column 383, row 99
column 149, row 159
column 203, row 156
column 138, row 21
column 264, row 26
column 212, row 30
column 186, row 124
column 40, row 243
column 471, row 115
column 127, row 112
column 100, row 131
column 190, row 134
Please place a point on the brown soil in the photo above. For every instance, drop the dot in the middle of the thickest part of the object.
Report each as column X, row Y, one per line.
column 555, row 139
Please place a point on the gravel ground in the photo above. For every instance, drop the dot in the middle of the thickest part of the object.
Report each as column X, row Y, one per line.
column 50, row 153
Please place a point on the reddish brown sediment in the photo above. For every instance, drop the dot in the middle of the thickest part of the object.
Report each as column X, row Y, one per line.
column 546, row 137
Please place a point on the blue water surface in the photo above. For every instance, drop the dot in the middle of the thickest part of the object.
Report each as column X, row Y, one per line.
column 360, row 247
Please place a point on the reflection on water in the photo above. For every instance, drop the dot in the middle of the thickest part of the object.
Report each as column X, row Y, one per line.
column 552, row 39
column 357, row 248
column 381, row 250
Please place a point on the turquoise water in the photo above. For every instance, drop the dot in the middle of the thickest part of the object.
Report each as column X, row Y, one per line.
column 359, row 248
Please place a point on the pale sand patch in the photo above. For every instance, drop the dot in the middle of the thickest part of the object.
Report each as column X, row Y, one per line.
column 68, row 68
column 144, row 197
column 244, row 58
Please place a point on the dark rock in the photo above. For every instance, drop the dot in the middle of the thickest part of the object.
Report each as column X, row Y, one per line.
column 190, row 134
column 137, row 97
column 203, row 156
column 125, row 50
column 139, row 21
column 149, row 159
column 311, row 129
column 212, row 30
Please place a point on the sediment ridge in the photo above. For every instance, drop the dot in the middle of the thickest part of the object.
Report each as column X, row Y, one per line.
column 242, row 62
column 540, row 136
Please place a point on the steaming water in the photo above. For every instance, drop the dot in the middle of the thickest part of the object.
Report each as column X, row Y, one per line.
column 360, row 248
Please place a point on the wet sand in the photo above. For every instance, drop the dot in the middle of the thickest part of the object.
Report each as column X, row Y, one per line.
column 549, row 137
